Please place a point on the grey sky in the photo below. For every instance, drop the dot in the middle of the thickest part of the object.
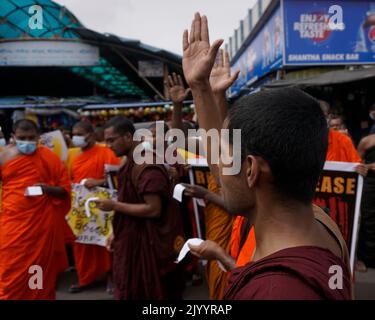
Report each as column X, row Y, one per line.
column 158, row 22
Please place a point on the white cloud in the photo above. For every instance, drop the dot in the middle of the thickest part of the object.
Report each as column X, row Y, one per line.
column 158, row 22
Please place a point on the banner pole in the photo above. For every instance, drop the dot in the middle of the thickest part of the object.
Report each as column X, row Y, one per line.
column 196, row 212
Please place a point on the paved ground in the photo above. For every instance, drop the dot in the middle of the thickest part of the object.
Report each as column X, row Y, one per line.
column 365, row 285
column 98, row 290
column 364, row 289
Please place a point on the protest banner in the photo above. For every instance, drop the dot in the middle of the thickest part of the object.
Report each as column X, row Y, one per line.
column 111, row 171
column 198, row 174
column 340, row 191
column 55, row 141
column 89, row 224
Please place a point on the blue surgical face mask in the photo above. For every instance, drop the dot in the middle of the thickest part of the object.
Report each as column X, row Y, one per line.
column 3, row 142
column 79, row 141
column 26, row 147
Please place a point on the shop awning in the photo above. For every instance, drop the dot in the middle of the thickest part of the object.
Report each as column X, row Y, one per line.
column 127, row 68
column 324, row 79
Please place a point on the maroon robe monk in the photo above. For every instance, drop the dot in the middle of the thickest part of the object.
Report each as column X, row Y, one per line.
column 147, row 224
column 137, row 269
column 300, row 273
column 276, row 160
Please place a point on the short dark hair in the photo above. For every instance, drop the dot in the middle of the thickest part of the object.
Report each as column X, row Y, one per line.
column 85, row 125
column 99, row 133
column 25, row 125
column 121, row 125
column 335, row 116
column 165, row 126
column 287, row 128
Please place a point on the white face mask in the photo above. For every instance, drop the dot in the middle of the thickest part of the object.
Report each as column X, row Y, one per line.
column 372, row 116
column 3, row 142
column 79, row 141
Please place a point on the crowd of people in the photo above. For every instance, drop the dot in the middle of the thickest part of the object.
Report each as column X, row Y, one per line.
column 264, row 238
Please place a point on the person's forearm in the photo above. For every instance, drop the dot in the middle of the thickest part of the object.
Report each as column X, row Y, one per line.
column 371, row 166
column 101, row 182
column 209, row 118
column 226, row 260
column 57, row 192
column 215, row 199
column 222, row 104
column 177, row 122
column 361, row 150
column 136, row 210
column 204, row 99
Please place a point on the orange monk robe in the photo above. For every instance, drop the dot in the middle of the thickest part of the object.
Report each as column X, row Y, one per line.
column 91, row 260
column 218, row 228
column 30, row 227
column 341, row 148
column 1, row 188
column 242, row 255
column 69, row 236
column 72, row 154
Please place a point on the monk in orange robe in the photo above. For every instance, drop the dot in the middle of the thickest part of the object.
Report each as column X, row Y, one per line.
column 31, row 250
column 218, row 225
column 91, row 260
column 69, row 237
column 340, row 145
column 2, row 146
column 242, row 245
column 341, row 148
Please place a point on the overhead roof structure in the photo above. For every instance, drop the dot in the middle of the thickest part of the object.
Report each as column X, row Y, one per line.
column 326, row 78
column 58, row 22
column 116, row 76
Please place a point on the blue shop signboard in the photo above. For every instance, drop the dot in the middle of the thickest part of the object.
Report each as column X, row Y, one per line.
column 263, row 54
column 329, row 32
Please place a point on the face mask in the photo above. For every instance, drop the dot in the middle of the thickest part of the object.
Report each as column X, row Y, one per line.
column 3, row 142
column 372, row 116
column 79, row 141
column 147, row 145
column 26, row 147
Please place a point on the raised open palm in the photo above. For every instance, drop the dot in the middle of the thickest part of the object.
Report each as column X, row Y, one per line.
column 199, row 56
column 176, row 88
column 220, row 78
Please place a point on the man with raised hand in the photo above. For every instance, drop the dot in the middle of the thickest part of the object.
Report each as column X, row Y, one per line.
column 283, row 147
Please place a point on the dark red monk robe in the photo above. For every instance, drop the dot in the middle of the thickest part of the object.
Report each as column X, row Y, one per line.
column 300, row 273
column 137, row 271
